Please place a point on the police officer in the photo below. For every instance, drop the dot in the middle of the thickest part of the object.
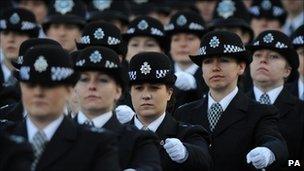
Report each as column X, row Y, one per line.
column 241, row 129
column 46, row 77
column 12, row 108
column 144, row 34
column 64, row 22
column 16, row 26
column 232, row 15
column 184, row 32
column 182, row 146
column 98, row 89
column 266, row 15
column 274, row 60
column 297, row 86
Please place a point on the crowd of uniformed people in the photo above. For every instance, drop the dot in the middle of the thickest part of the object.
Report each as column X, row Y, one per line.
column 148, row 85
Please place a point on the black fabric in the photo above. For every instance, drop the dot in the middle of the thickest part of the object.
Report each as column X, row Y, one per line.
column 151, row 67
column 278, row 42
column 74, row 147
column 31, row 43
column 244, row 125
column 102, row 34
column 185, row 22
column 137, row 149
column 146, row 26
column 15, row 153
column 221, row 43
column 291, row 123
column 68, row 12
column 194, row 138
column 230, row 14
column 19, row 20
column 48, row 65
column 270, row 9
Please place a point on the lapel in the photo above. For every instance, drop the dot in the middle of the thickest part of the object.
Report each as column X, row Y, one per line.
column 1, row 75
column 113, row 124
column 251, row 94
column 168, row 127
column 284, row 102
column 199, row 113
column 235, row 111
column 60, row 143
column 20, row 129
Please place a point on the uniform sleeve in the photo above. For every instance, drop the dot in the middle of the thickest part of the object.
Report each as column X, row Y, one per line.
column 196, row 140
column 267, row 134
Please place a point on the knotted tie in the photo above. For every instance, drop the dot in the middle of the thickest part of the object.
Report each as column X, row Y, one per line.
column 214, row 115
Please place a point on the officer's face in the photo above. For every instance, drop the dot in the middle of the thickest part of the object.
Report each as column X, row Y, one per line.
column 150, row 100
column 260, row 25
column 183, row 45
column 65, row 34
column 221, row 73
column 97, row 92
column 206, row 9
column 10, row 43
column 38, row 7
column 268, row 68
column 142, row 44
column 301, row 59
column 44, row 103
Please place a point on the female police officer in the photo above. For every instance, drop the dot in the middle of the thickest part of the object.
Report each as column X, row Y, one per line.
column 98, row 89
column 184, row 147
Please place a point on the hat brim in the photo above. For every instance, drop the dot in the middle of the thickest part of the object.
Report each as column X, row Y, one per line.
column 70, row 81
column 239, row 56
column 167, row 81
column 119, row 49
column 66, row 19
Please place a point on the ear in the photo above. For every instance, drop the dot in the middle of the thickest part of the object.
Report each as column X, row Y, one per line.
column 169, row 93
column 118, row 93
column 287, row 71
column 242, row 67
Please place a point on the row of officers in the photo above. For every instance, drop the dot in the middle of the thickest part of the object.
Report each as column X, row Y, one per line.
column 225, row 130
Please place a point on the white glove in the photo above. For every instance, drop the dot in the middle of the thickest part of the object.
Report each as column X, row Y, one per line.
column 176, row 150
column 185, row 81
column 260, row 157
column 124, row 113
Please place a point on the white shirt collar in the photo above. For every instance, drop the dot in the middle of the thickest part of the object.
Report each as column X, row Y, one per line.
column 49, row 130
column 225, row 101
column 301, row 87
column 190, row 70
column 98, row 121
column 153, row 125
column 273, row 94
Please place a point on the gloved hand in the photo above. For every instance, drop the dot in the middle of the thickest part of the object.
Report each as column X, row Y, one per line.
column 176, row 150
column 260, row 157
column 185, row 81
column 124, row 113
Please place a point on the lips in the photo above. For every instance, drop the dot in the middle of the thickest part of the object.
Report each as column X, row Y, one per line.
column 92, row 97
column 216, row 77
column 262, row 69
column 146, row 105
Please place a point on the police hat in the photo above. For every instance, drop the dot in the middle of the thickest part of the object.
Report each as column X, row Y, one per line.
column 65, row 11
column 231, row 13
column 151, row 67
column 102, row 34
column 186, row 22
column 278, row 42
column 221, row 43
column 96, row 58
column 145, row 26
column 30, row 43
column 19, row 20
column 270, row 9
column 298, row 37
column 47, row 65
